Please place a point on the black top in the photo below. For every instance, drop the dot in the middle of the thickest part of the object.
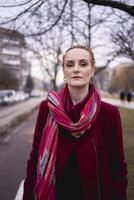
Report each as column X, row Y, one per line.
column 69, row 187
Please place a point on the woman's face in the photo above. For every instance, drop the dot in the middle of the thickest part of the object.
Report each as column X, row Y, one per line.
column 77, row 68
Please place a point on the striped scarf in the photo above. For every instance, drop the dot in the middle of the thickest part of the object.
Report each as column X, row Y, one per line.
column 45, row 182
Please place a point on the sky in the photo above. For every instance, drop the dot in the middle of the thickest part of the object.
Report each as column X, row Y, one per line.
column 37, row 71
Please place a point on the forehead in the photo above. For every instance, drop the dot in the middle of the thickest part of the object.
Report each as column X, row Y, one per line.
column 77, row 54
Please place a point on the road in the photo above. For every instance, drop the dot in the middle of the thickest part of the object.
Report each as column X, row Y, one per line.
column 14, row 152
column 10, row 114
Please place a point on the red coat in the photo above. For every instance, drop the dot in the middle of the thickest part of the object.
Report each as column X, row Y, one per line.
column 99, row 155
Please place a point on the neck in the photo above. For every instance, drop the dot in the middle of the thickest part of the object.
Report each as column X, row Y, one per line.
column 78, row 94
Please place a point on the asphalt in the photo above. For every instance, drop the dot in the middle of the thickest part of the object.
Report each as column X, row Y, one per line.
column 15, row 149
column 10, row 116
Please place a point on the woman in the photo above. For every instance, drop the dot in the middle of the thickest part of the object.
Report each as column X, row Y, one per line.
column 78, row 148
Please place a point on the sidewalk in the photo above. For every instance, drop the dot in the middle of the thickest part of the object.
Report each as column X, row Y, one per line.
column 117, row 102
column 10, row 116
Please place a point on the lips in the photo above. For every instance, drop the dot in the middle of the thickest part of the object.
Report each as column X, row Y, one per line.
column 76, row 77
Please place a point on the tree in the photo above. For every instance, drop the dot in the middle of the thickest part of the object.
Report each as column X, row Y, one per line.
column 123, row 75
column 29, row 84
column 123, row 38
column 49, row 12
column 75, row 30
column 39, row 21
column 34, row 13
column 8, row 80
column 49, row 54
column 114, row 4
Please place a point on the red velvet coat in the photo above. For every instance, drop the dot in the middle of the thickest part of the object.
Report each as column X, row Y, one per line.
column 98, row 155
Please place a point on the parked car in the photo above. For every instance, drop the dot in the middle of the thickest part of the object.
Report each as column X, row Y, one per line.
column 21, row 96
column 36, row 93
column 7, row 97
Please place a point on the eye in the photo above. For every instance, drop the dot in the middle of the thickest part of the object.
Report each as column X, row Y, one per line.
column 84, row 64
column 69, row 64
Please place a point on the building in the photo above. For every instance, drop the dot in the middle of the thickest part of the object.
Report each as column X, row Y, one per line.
column 12, row 48
column 122, row 78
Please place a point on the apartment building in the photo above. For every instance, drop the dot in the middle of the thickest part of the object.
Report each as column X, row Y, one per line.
column 12, row 50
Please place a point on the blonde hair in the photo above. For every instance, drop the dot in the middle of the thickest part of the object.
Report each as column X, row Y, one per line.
column 81, row 46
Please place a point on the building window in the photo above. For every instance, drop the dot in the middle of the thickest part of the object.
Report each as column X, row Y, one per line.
column 10, row 41
column 11, row 62
column 11, row 50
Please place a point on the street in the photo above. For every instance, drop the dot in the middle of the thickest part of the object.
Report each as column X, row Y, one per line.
column 14, row 152
column 9, row 115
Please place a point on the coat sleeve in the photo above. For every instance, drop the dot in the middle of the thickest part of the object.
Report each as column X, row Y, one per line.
column 118, row 165
column 32, row 162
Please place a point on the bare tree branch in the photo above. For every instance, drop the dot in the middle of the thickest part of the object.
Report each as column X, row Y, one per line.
column 113, row 4
column 123, row 38
column 15, row 5
column 38, row 4
column 52, row 25
column 41, row 20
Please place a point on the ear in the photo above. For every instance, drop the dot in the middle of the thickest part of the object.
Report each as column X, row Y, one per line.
column 93, row 72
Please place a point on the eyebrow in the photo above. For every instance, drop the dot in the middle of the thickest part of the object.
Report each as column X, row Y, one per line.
column 79, row 60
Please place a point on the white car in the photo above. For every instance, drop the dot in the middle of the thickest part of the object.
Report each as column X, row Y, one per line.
column 7, row 97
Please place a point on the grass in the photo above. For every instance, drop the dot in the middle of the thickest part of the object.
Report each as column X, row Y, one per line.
column 127, row 117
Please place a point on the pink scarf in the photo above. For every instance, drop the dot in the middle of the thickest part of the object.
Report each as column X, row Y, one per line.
column 45, row 183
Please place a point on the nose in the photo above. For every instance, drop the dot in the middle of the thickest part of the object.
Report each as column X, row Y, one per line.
column 76, row 68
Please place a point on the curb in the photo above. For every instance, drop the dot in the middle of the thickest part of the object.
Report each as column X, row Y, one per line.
column 4, row 130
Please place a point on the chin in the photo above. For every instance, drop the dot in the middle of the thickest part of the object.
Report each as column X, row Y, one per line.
column 78, row 85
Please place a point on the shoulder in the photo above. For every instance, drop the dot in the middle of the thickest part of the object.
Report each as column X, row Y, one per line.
column 107, row 106
column 108, row 109
column 43, row 103
column 43, row 106
column 110, row 117
column 43, row 110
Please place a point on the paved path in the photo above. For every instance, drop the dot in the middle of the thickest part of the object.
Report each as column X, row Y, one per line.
column 10, row 115
column 117, row 102
column 14, row 152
